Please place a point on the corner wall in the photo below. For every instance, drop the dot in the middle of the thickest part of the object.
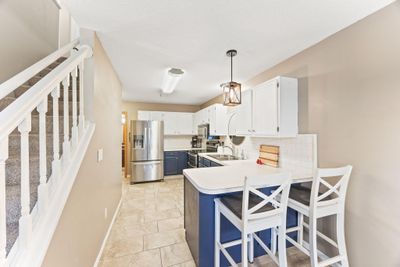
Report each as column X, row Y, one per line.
column 349, row 94
column 83, row 225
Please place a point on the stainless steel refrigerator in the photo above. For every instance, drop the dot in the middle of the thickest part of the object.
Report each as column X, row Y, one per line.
column 147, row 151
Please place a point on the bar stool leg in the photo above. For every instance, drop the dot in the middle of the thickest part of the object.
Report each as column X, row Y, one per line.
column 251, row 248
column 217, row 236
column 273, row 240
column 313, row 242
column 300, row 221
column 341, row 238
column 282, row 246
column 244, row 248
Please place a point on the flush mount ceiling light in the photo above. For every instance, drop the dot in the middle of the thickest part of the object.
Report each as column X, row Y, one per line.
column 232, row 94
column 171, row 80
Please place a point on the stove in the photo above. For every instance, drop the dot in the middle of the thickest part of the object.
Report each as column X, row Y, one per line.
column 193, row 158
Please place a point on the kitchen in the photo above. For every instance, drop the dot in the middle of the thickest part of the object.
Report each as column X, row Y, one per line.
column 308, row 116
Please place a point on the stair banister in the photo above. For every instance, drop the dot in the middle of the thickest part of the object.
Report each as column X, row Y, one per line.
column 13, row 114
column 16, row 81
column 32, row 242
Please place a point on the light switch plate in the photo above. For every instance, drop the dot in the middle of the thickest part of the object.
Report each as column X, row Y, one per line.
column 99, row 155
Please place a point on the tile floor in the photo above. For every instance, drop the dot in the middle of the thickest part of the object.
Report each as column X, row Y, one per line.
column 148, row 230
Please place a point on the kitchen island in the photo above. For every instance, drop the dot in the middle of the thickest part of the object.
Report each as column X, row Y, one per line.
column 203, row 185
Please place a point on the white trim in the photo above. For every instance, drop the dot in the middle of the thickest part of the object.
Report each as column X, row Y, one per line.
column 103, row 244
column 47, row 225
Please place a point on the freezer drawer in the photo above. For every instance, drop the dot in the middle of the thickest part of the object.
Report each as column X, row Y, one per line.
column 147, row 171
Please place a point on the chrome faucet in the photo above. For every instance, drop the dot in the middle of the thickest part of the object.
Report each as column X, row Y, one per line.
column 223, row 147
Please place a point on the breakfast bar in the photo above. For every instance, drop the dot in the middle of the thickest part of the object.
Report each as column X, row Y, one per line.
column 203, row 185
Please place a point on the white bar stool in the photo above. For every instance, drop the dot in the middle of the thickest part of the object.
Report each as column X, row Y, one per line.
column 315, row 204
column 251, row 212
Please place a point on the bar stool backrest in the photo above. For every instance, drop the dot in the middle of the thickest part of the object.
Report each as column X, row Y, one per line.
column 278, row 198
column 335, row 193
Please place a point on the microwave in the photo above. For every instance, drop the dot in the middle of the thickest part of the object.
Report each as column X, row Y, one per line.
column 203, row 131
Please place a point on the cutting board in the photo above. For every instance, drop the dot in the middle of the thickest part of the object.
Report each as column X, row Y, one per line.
column 269, row 155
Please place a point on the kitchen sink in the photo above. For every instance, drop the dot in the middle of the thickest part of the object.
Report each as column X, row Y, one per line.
column 223, row 157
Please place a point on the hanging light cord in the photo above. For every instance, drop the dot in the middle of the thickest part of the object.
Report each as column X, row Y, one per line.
column 231, row 68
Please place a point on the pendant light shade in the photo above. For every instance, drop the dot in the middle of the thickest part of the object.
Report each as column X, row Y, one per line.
column 232, row 94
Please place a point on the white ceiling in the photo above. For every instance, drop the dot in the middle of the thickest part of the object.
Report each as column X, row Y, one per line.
column 143, row 38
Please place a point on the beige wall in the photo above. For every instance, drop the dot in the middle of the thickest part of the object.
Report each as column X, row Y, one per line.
column 29, row 32
column 83, row 225
column 350, row 96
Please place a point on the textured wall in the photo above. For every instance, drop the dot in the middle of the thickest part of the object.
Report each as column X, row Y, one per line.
column 29, row 32
column 349, row 94
column 83, row 225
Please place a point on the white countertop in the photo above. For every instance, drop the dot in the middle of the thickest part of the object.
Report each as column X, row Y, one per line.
column 230, row 177
column 181, row 148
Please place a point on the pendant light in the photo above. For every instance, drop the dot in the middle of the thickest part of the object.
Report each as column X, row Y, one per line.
column 231, row 91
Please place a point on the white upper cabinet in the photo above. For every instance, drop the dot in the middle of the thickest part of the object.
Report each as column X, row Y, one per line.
column 184, row 123
column 244, row 116
column 270, row 109
column 175, row 123
column 217, row 114
column 143, row 115
column 214, row 115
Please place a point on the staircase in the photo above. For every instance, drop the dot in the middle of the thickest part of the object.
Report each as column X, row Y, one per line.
column 43, row 133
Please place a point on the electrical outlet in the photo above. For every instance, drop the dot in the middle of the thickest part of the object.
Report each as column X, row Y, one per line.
column 105, row 213
column 99, row 155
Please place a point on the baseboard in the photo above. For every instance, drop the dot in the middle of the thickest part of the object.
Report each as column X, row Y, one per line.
column 103, row 244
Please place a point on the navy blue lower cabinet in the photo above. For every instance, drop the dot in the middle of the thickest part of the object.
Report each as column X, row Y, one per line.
column 175, row 162
column 182, row 161
column 214, row 164
column 199, row 225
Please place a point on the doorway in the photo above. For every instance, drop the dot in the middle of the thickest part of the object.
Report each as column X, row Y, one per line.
column 125, row 143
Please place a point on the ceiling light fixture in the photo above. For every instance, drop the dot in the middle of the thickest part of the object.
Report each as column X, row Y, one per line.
column 171, row 80
column 232, row 94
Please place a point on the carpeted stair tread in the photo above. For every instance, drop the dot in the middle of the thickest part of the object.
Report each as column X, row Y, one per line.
column 12, row 235
column 13, row 170
column 13, row 201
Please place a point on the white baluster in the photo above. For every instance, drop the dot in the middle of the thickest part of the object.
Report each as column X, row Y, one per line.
column 25, row 222
column 3, row 214
column 55, row 94
column 81, row 100
column 42, row 190
column 66, row 143
column 74, row 110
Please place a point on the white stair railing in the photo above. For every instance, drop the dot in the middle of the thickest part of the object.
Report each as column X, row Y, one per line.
column 36, row 227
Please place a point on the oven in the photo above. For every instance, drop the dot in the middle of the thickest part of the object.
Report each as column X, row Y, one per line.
column 192, row 159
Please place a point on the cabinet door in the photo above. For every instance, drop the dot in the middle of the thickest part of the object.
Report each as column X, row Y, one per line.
column 171, row 163
column 156, row 116
column 184, row 123
column 182, row 161
column 212, row 112
column 244, row 125
column 143, row 115
column 170, row 125
column 265, row 109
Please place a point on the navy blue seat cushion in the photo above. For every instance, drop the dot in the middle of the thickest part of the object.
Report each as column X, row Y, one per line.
column 234, row 203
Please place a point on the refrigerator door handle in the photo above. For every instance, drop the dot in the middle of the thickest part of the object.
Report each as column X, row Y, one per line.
column 146, row 162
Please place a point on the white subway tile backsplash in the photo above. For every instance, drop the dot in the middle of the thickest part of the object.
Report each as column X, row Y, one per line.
column 298, row 152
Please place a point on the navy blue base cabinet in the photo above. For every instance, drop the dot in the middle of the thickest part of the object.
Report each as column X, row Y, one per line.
column 175, row 162
column 205, row 163
column 199, row 226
